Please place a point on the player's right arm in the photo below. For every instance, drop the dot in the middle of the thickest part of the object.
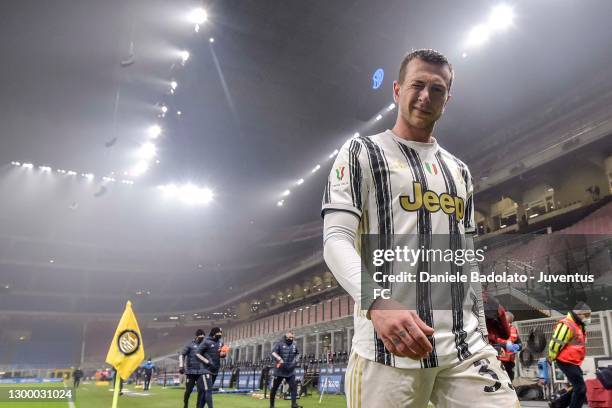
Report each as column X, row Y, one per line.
column 344, row 200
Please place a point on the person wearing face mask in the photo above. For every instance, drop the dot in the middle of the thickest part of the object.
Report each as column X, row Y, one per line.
column 568, row 348
column 217, row 351
column 285, row 353
column 192, row 367
column 209, row 353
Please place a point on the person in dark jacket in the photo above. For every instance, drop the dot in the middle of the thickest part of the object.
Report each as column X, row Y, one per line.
column 148, row 368
column 285, row 352
column 209, row 355
column 192, row 367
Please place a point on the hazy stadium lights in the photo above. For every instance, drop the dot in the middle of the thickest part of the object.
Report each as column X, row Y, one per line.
column 280, row 203
column 155, row 131
column 108, row 179
column 179, row 113
column 378, row 117
column 61, row 171
column 173, row 85
column 534, row 215
column 198, row 16
column 27, row 165
column 164, row 109
column 130, row 182
column 211, row 40
column 356, row 134
column 464, row 55
column 45, row 169
column 15, row 163
column 501, row 17
column 71, row 173
column 184, row 56
column 147, row 151
column 317, row 167
column 391, row 107
column 88, row 176
column 300, row 181
column 188, row 193
column 478, row 36
column 286, row 193
column 197, row 28
column 140, row 168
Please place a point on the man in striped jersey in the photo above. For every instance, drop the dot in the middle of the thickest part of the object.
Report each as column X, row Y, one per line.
column 402, row 182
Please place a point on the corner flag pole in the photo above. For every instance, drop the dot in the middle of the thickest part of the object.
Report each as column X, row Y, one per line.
column 116, row 390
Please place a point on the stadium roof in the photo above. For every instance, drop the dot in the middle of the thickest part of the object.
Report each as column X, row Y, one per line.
column 283, row 84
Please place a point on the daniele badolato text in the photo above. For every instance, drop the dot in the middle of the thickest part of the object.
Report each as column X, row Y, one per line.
column 411, row 258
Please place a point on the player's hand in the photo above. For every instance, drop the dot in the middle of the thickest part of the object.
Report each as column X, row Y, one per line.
column 181, row 370
column 401, row 330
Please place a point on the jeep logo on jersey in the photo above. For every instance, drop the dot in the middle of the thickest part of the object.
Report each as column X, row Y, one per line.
column 340, row 172
column 128, row 342
column 433, row 202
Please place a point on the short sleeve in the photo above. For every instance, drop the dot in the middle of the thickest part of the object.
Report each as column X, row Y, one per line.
column 346, row 187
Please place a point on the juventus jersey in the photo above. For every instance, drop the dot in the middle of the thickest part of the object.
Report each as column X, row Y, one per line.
column 397, row 186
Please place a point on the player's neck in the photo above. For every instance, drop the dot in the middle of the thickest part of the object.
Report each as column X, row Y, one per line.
column 407, row 132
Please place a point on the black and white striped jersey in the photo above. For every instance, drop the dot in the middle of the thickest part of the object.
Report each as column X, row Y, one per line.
column 401, row 187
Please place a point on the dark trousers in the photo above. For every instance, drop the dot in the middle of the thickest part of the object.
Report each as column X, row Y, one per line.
column 206, row 397
column 213, row 378
column 193, row 380
column 509, row 367
column 292, row 388
column 577, row 396
column 77, row 381
column 147, row 381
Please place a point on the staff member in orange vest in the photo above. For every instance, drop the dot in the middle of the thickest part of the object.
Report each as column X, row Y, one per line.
column 568, row 348
column 512, row 346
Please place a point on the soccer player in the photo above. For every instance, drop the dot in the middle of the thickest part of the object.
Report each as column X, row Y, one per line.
column 285, row 353
column 217, row 352
column 192, row 367
column 209, row 353
column 401, row 181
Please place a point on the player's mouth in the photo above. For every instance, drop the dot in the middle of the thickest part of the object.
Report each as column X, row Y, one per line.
column 421, row 110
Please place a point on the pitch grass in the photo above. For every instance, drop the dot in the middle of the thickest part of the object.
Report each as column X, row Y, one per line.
column 89, row 395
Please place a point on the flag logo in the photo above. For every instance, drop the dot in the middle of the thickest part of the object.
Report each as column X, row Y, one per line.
column 128, row 342
column 431, row 168
column 340, row 172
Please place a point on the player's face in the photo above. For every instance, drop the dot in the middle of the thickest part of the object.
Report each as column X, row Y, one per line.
column 422, row 96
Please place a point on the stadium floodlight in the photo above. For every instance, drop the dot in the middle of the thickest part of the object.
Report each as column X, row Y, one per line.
column 164, row 109
column 45, row 169
column 286, row 193
column 27, row 165
column 155, row 131
column 317, row 167
column 501, row 17
column 147, row 151
column 280, row 203
column 71, row 173
column 140, row 168
column 464, row 55
column 197, row 28
column 179, row 113
column 211, row 40
column 184, row 56
column 198, row 16
column 378, row 117
column 356, row 134
column 129, row 182
column 15, row 163
column 478, row 36
column 191, row 194
column 108, row 179
column 391, row 107
column 173, row 85
column 88, row 176
column 300, row 181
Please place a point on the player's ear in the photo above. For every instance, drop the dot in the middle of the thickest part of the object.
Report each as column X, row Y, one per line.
column 396, row 91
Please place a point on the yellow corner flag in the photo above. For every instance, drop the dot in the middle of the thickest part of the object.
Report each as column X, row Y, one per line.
column 126, row 351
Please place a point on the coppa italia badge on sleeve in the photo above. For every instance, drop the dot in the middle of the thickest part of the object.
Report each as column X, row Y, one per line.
column 128, row 342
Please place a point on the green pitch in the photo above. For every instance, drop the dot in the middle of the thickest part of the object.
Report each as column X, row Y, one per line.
column 92, row 396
